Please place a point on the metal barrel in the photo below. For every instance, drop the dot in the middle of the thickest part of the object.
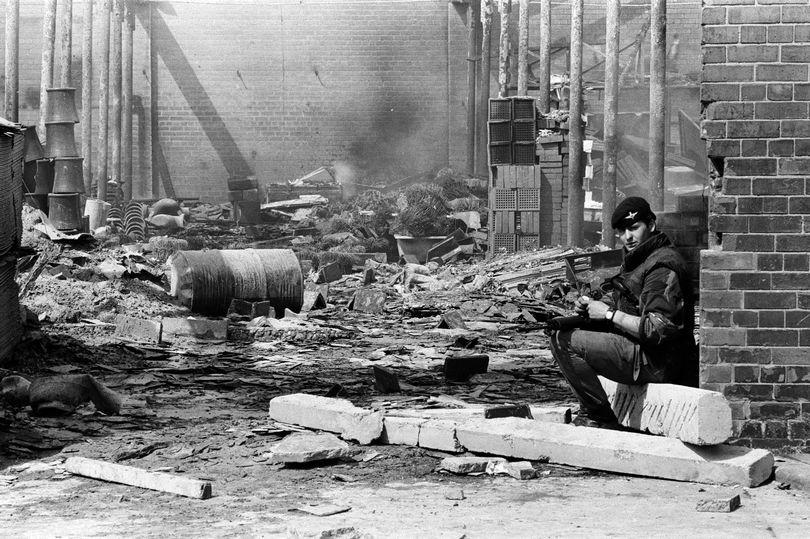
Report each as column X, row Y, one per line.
column 64, row 211
column 67, row 175
column 61, row 105
column 43, row 177
column 60, row 140
column 207, row 281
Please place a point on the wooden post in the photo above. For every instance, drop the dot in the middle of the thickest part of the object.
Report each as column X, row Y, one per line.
column 46, row 74
column 611, row 109
column 658, row 81
column 482, row 108
column 115, row 90
column 576, row 196
column 544, row 99
column 87, row 97
column 103, row 97
column 126, row 111
column 523, row 49
column 12, row 65
column 473, row 24
column 504, row 10
column 66, row 51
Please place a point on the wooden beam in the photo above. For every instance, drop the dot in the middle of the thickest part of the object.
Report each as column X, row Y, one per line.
column 126, row 109
column 504, row 10
column 482, row 107
column 544, row 75
column 87, row 97
column 523, row 48
column 128, row 475
column 473, row 31
column 66, row 50
column 658, row 104
column 115, row 90
column 46, row 72
column 611, row 108
column 576, row 196
column 12, row 65
column 103, row 97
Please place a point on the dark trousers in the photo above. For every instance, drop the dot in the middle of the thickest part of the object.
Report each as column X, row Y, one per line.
column 583, row 354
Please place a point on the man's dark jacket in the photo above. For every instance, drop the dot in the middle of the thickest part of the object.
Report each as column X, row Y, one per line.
column 659, row 290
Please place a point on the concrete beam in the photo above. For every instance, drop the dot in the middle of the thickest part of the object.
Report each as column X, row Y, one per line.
column 332, row 415
column 695, row 416
column 616, row 451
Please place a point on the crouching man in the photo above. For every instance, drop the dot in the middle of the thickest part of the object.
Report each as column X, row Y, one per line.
column 643, row 331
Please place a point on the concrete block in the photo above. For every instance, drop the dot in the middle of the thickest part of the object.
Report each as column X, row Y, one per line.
column 310, row 447
column 695, row 416
column 198, row 328
column 460, row 368
column 401, row 430
column 520, row 470
column 440, row 434
column 137, row 329
column 369, row 300
column 794, row 473
column 551, row 414
column 464, row 465
column 332, row 415
column 616, row 451
column 718, row 505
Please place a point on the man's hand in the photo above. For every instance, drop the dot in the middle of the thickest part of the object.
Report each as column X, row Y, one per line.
column 597, row 310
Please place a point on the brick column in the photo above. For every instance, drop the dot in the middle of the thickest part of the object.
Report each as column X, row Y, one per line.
column 755, row 281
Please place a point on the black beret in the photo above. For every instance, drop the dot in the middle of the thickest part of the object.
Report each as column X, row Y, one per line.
column 631, row 210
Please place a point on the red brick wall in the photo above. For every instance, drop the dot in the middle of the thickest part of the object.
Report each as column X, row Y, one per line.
column 755, row 308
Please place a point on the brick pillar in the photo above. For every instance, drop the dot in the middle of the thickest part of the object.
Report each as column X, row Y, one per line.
column 755, row 281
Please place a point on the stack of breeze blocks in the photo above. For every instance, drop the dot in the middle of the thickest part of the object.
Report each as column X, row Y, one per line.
column 528, row 158
column 243, row 193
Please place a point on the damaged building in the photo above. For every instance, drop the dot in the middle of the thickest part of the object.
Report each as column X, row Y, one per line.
column 302, row 268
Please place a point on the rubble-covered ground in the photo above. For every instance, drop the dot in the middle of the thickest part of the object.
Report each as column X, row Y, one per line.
column 199, row 408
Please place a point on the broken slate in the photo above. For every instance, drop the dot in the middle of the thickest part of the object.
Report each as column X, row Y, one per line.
column 467, row 465
column 385, row 381
column 310, row 447
column 718, row 505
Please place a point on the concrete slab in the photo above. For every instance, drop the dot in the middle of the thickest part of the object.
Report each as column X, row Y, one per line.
column 696, row 416
column 615, row 451
column 465, row 465
column 197, row 328
column 332, row 415
column 137, row 329
column 310, row 447
column 794, row 472
column 401, row 430
column 440, row 434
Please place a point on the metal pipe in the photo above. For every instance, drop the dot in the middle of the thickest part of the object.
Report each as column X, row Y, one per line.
column 482, row 108
column 87, row 97
column 103, row 97
column 12, row 65
column 504, row 10
column 126, row 111
column 658, row 104
column 473, row 24
column 523, row 48
column 544, row 99
column 115, row 90
column 46, row 73
column 611, row 109
column 576, row 196
column 66, row 51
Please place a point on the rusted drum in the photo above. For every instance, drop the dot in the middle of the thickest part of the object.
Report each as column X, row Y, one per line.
column 39, row 202
column 60, row 140
column 43, row 178
column 68, row 175
column 64, row 211
column 61, row 105
column 207, row 281
column 33, row 147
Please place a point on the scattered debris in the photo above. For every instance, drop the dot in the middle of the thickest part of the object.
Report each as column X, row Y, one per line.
column 719, row 505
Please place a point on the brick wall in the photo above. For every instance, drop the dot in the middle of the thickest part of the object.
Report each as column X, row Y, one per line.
column 755, row 308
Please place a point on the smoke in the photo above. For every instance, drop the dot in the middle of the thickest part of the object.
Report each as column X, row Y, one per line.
column 346, row 175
